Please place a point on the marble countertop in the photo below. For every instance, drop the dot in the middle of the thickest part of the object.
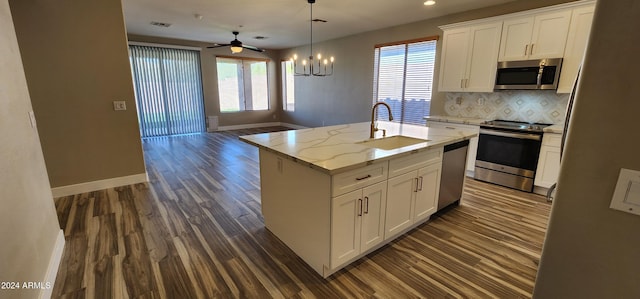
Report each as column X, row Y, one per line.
column 335, row 149
column 456, row 120
column 557, row 128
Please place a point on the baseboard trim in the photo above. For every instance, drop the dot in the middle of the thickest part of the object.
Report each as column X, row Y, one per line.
column 99, row 185
column 297, row 127
column 54, row 264
column 259, row 125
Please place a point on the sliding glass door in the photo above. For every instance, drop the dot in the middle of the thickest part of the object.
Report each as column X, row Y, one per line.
column 168, row 90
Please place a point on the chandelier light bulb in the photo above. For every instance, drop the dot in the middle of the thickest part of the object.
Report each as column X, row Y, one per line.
column 325, row 61
column 331, row 59
column 295, row 56
column 319, row 56
column 429, row 2
column 304, row 62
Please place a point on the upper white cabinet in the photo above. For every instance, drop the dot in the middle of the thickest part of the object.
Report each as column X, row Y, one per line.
column 535, row 37
column 469, row 56
column 577, row 39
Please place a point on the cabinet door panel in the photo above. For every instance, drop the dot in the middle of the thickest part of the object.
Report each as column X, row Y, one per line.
column 516, row 35
column 483, row 57
column 550, row 35
column 374, row 206
column 345, row 227
column 428, row 189
column 548, row 166
column 577, row 39
column 454, row 59
column 400, row 196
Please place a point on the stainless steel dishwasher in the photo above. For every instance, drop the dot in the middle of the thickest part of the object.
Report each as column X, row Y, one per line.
column 454, row 161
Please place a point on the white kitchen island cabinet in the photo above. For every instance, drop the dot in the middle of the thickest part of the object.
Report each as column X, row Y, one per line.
column 327, row 196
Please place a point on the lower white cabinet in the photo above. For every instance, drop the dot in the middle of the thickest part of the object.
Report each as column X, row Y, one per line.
column 473, row 142
column 357, row 222
column 411, row 198
column 549, row 160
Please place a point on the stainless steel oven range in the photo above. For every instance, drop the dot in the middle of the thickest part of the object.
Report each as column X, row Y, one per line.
column 508, row 153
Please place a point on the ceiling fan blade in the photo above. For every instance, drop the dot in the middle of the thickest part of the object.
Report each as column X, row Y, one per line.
column 252, row 48
column 218, row 46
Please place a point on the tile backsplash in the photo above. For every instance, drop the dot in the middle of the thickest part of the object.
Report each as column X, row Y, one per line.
column 539, row 106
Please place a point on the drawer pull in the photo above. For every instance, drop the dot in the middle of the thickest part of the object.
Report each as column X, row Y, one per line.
column 363, row 178
column 450, row 128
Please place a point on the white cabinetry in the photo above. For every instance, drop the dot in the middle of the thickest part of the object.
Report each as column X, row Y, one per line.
column 535, row 37
column 332, row 220
column 577, row 39
column 473, row 142
column 357, row 222
column 549, row 160
column 469, row 57
column 412, row 191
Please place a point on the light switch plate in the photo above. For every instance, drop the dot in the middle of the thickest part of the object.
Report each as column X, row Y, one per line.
column 119, row 105
column 626, row 196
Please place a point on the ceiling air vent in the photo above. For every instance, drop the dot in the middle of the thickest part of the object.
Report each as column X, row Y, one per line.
column 160, row 24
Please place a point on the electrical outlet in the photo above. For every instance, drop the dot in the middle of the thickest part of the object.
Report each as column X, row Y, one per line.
column 459, row 101
column 119, row 105
column 480, row 101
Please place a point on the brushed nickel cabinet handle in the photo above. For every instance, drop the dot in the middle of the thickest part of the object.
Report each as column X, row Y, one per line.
column 363, row 178
column 366, row 205
column 531, row 51
column 526, row 49
column 360, row 210
column 421, row 181
column 416, row 190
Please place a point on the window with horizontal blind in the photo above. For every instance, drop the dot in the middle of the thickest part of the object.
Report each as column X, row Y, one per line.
column 242, row 84
column 403, row 78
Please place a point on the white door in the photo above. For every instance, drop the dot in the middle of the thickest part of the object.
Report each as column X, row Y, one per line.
column 400, row 194
column 345, row 227
column 549, row 35
column 454, row 59
column 516, row 35
column 484, row 44
column 428, row 190
column 373, row 212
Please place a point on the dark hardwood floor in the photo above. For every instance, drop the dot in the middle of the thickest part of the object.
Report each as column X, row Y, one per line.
column 196, row 231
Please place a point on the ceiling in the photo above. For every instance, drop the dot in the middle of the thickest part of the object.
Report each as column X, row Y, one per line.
column 283, row 23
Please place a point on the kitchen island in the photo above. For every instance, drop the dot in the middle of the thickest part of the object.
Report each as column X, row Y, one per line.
column 332, row 194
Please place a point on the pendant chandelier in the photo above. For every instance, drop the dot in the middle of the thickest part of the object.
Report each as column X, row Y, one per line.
column 310, row 68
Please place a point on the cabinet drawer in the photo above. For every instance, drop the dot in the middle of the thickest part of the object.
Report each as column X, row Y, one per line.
column 552, row 139
column 451, row 126
column 358, row 178
column 412, row 162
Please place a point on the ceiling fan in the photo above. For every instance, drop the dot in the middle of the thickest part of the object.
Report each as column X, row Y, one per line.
column 236, row 45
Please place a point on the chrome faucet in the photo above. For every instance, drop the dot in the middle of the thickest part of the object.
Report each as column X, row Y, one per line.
column 374, row 126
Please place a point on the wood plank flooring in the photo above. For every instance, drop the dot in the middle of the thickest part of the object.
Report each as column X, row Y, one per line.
column 196, row 231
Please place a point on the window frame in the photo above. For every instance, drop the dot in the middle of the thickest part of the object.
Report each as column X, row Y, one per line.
column 286, row 95
column 245, row 95
column 402, row 99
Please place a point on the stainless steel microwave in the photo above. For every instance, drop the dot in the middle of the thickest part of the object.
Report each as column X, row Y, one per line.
column 528, row 74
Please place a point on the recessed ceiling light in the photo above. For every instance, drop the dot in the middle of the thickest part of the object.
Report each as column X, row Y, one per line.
column 429, row 2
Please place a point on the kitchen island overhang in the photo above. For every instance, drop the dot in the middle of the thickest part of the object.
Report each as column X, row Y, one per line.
column 333, row 197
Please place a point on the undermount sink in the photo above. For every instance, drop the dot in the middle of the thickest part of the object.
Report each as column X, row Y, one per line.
column 392, row 142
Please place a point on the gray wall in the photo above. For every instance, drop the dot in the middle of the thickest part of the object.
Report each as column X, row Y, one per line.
column 28, row 222
column 76, row 62
column 347, row 95
column 592, row 251
column 210, row 79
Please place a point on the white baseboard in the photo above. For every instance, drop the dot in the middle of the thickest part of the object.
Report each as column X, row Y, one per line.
column 297, row 127
column 99, row 185
column 259, row 125
column 54, row 264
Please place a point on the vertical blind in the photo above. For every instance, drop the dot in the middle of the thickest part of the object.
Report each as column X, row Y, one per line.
column 403, row 78
column 168, row 89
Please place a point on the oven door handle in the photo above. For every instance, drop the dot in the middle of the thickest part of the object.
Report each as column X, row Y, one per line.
column 510, row 134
